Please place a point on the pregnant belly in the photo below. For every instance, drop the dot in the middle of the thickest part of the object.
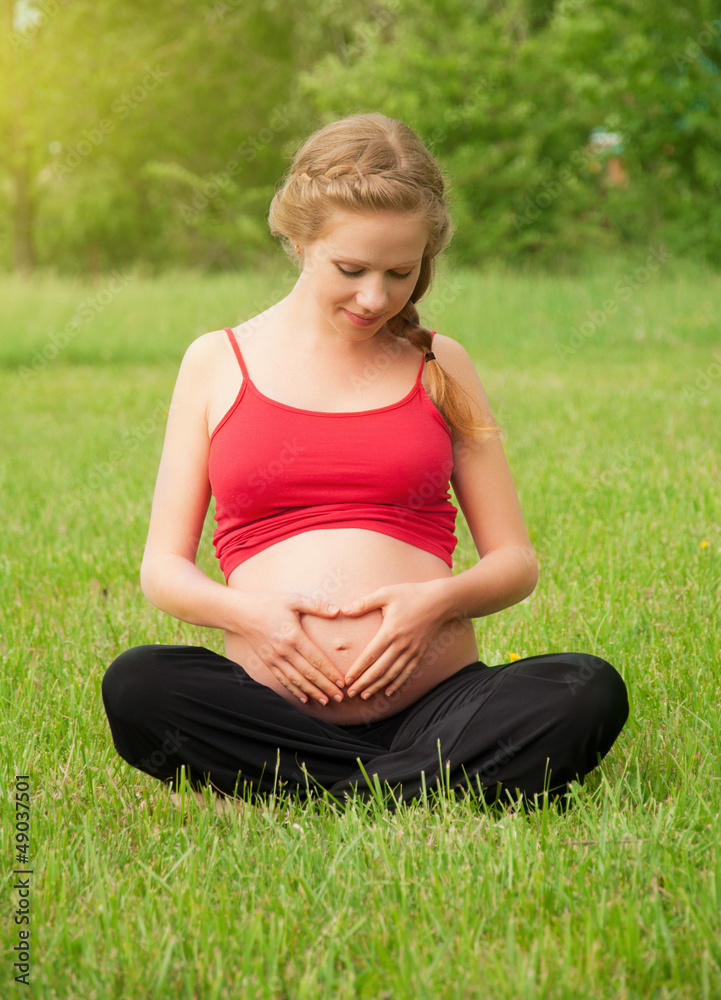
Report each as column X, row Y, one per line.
column 338, row 566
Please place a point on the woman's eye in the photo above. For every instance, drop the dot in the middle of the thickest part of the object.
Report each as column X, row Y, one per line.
column 393, row 274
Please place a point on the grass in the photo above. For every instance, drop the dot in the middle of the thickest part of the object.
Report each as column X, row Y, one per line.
column 614, row 447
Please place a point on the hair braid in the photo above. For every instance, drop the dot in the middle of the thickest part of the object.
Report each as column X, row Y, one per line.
column 445, row 391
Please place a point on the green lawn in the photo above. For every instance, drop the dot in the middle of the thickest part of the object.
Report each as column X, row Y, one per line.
column 608, row 389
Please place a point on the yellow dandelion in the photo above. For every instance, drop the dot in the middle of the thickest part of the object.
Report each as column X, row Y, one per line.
column 513, row 657
column 704, row 545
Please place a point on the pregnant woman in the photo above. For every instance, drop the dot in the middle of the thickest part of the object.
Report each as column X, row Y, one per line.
column 329, row 429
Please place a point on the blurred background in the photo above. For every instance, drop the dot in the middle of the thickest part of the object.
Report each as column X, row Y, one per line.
column 152, row 135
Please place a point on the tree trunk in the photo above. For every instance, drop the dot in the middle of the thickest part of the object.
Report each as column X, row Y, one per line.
column 23, row 219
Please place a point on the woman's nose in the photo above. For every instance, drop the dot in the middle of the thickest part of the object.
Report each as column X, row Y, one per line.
column 373, row 295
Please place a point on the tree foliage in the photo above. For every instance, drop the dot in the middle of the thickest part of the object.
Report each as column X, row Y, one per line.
column 155, row 133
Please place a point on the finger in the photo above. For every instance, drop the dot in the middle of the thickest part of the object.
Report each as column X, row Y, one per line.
column 404, row 676
column 290, row 677
column 386, row 676
column 378, row 672
column 278, row 661
column 359, row 669
column 362, row 605
column 324, row 671
column 298, row 648
column 314, row 676
column 312, row 606
column 304, row 684
column 311, row 680
column 287, row 683
column 378, row 645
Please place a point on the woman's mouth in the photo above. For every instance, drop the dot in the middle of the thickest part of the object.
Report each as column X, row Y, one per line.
column 361, row 320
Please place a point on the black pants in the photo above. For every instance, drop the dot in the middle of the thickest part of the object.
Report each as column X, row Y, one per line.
column 526, row 727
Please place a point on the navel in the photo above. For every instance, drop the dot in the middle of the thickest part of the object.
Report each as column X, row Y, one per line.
column 341, row 644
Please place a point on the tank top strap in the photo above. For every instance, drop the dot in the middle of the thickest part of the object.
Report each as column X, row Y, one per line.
column 236, row 351
column 423, row 361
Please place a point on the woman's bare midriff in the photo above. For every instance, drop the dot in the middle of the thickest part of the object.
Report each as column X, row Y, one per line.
column 339, row 565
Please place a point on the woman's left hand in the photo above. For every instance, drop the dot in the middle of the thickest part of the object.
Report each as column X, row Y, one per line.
column 412, row 615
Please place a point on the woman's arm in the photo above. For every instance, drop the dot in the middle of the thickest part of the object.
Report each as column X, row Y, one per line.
column 505, row 573
column 168, row 574
column 507, row 570
column 171, row 580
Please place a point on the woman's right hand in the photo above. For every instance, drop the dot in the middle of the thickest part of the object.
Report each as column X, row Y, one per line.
column 271, row 625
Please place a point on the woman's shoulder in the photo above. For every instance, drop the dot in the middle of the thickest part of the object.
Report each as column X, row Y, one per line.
column 216, row 345
column 455, row 359
column 204, row 362
column 214, row 355
column 206, row 349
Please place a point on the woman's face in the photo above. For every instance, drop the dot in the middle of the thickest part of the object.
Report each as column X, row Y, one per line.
column 363, row 269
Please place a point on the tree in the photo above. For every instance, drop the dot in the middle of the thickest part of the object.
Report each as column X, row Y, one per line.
column 520, row 103
column 113, row 112
column 140, row 132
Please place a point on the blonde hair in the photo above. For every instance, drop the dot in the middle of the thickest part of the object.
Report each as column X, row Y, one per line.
column 370, row 162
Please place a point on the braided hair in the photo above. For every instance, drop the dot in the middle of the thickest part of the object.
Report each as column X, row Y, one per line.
column 370, row 162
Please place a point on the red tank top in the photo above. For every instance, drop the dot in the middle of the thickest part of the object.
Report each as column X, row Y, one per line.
column 276, row 470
